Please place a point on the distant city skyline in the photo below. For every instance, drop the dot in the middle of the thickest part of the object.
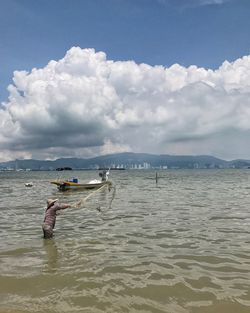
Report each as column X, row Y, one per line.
column 130, row 161
column 87, row 78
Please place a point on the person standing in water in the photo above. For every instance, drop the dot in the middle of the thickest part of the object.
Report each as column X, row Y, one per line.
column 50, row 216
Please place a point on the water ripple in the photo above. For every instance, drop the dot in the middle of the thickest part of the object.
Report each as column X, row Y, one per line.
column 179, row 246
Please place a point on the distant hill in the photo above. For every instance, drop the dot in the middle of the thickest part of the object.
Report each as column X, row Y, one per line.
column 128, row 160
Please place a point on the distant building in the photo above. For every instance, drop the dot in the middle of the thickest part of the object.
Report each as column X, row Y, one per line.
column 146, row 165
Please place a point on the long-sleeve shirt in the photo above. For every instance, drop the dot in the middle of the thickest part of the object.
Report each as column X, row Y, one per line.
column 50, row 213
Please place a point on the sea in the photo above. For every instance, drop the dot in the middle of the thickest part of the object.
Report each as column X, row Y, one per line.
column 178, row 245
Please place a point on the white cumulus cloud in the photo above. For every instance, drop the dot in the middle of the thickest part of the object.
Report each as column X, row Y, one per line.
column 85, row 104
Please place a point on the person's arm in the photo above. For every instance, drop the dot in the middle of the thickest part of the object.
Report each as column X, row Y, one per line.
column 63, row 206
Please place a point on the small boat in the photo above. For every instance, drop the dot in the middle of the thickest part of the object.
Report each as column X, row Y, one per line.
column 28, row 184
column 73, row 183
column 66, row 185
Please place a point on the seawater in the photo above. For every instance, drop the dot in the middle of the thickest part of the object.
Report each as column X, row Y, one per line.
column 179, row 246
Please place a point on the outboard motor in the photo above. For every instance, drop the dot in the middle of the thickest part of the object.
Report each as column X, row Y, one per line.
column 104, row 175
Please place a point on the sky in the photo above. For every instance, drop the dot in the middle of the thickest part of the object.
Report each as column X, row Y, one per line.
column 83, row 78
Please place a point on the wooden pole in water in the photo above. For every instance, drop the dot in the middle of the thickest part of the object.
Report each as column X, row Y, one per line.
column 156, row 177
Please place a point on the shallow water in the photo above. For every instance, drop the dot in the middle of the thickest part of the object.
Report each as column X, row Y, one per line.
column 179, row 246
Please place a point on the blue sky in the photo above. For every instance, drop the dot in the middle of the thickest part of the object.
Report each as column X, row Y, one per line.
column 204, row 33
column 90, row 77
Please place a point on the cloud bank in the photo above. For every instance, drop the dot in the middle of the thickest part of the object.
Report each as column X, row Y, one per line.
column 85, row 105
